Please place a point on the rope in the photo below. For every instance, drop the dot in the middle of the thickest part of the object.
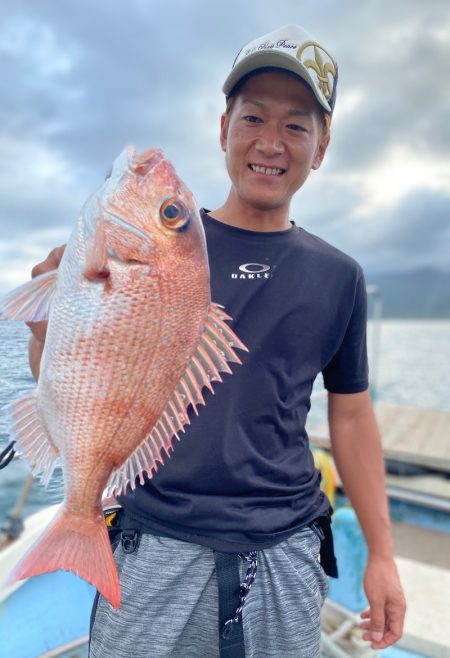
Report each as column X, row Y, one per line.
column 13, row 526
column 7, row 455
column 252, row 558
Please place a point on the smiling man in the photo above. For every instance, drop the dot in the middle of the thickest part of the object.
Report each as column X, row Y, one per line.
column 240, row 499
column 273, row 134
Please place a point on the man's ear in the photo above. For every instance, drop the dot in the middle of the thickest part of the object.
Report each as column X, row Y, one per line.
column 320, row 152
column 223, row 131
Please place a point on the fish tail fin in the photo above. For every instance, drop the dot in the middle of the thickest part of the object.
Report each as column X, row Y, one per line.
column 77, row 545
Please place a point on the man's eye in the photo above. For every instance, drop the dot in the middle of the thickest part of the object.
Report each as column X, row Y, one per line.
column 251, row 118
column 296, row 127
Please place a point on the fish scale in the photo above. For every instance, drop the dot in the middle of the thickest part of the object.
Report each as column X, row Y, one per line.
column 132, row 339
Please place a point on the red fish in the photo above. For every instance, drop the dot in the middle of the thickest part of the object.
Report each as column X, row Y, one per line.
column 132, row 339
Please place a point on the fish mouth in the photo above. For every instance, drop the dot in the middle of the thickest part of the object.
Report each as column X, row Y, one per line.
column 141, row 165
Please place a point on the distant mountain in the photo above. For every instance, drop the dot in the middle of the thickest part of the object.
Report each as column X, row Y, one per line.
column 423, row 293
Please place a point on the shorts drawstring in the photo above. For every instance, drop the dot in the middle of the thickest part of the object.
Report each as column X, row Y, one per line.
column 252, row 558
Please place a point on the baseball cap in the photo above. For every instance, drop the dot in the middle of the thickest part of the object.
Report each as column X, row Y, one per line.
column 290, row 48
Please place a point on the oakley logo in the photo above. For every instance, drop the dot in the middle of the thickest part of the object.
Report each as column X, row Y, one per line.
column 252, row 271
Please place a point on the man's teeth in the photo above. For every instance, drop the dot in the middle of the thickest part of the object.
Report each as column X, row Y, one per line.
column 269, row 171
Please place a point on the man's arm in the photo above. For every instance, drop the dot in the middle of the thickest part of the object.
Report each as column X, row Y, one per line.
column 39, row 329
column 357, row 451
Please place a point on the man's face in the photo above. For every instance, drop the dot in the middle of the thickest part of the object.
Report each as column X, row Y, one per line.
column 272, row 138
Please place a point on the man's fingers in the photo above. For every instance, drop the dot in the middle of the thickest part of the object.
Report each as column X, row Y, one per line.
column 50, row 263
column 365, row 625
column 390, row 633
column 374, row 622
column 377, row 622
column 395, row 620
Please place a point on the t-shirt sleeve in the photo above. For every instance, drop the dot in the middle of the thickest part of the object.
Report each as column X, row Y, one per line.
column 348, row 371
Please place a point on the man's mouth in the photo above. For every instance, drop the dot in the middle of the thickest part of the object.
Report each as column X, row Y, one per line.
column 267, row 171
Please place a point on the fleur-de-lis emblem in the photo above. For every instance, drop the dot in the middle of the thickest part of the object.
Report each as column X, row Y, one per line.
column 322, row 70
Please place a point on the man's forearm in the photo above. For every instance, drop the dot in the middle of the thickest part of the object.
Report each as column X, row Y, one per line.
column 35, row 349
column 358, row 454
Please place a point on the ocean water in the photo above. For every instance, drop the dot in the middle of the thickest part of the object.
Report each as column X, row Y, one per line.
column 411, row 367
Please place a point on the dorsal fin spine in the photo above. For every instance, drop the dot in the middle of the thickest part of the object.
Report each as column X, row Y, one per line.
column 218, row 310
column 181, row 409
column 173, row 429
column 202, row 373
column 215, row 354
column 213, row 372
column 186, row 391
column 159, row 444
column 227, row 351
column 176, row 415
column 195, row 387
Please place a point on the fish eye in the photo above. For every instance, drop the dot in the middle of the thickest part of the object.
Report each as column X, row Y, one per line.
column 174, row 214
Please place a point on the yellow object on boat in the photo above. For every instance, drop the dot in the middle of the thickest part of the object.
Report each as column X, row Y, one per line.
column 324, row 463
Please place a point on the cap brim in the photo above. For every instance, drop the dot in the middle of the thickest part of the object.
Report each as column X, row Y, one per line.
column 276, row 59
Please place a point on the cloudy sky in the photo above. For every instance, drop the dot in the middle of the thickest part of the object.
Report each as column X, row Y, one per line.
column 79, row 80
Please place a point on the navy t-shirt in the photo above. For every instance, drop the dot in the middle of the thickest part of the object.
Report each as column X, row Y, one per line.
column 243, row 477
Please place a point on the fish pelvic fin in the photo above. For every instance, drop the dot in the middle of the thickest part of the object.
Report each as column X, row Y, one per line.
column 30, row 302
column 25, row 427
column 215, row 348
column 73, row 543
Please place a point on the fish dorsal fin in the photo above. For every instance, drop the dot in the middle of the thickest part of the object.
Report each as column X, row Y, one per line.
column 32, row 438
column 30, row 302
column 216, row 347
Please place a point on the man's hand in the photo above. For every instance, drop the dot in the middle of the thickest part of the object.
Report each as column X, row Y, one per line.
column 39, row 329
column 383, row 620
column 358, row 455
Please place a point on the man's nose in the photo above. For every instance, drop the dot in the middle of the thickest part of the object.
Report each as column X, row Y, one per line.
column 269, row 141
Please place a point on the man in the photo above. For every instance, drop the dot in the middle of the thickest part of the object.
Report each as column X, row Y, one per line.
column 242, row 482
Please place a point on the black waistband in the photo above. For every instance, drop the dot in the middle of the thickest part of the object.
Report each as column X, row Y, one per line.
column 130, row 529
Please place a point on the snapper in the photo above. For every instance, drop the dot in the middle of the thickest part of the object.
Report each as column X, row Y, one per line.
column 132, row 339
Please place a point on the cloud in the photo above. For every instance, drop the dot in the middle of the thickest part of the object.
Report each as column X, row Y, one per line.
column 81, row 80
column 416, row 228
column 399, row 170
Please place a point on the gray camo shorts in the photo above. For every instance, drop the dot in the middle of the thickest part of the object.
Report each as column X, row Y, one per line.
column 169, row 606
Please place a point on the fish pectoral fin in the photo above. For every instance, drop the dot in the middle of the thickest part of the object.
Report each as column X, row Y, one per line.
column 30, row 302
column 215, row 347
column 31, row 437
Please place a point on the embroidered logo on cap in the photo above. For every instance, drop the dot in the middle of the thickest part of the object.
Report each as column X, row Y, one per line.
column 322, row 69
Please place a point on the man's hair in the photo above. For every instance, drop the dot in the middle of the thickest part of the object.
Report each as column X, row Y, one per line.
column 325, row 117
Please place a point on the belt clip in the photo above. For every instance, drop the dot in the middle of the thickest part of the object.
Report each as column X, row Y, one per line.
column 315, row 527
column 129, row 540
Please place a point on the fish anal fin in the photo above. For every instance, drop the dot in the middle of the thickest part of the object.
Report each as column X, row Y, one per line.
column 34, row 443
column 216, row 346
column 31, row 301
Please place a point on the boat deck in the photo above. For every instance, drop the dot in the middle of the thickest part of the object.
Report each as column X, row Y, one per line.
column 427, row 591
column 409, row 434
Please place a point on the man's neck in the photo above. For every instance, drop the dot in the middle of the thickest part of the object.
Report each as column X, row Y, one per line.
column 236, row 212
